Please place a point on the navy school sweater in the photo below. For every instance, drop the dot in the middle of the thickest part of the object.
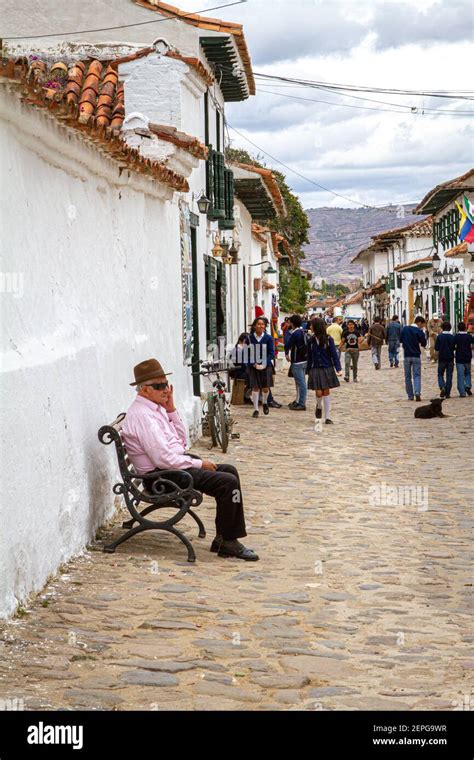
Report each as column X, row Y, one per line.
column 445, row 345
column 322, row 357
column 411, row 339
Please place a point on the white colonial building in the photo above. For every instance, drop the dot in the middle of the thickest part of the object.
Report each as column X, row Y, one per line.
column 107, row 143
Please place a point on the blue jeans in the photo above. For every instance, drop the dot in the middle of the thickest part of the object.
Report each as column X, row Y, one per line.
column 412, row 365
column 393, row 349
column 445, row 385
column 299, row 371
column 464, row 377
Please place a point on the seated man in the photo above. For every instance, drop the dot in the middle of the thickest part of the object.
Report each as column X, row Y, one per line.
column 155, row 438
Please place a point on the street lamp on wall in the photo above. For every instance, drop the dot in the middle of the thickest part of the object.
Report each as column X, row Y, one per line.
column 203, row 203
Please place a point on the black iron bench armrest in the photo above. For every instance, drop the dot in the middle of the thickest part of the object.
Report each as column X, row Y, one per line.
column 166, row 478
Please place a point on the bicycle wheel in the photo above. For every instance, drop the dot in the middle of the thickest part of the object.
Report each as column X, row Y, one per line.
column 218, row 422
column 210, row 419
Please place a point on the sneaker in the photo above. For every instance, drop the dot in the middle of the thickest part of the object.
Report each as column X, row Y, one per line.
column 418, row 398
column 292, row 405
column 319, row 413
column 328, row 422
column 346, row 380
column 410, row 398
column 391, row 364
column 255, row 414
column 442, row 394
column 266, row 410
column 377, row 366
column 298, row 408
column 468, row 391
column 356, row 380
column 396, row 365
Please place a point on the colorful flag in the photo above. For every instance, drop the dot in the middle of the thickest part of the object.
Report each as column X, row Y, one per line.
column 469, row 206
column 466, row 227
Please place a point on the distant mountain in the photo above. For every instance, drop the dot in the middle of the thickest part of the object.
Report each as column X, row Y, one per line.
column 337, row 234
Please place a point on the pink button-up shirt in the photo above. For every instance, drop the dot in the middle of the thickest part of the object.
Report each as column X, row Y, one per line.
column 155, row 438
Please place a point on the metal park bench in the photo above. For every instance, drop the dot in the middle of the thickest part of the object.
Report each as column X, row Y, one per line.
column 160, row 489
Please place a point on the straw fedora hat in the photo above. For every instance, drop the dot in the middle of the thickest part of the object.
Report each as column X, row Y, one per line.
column 148, row 370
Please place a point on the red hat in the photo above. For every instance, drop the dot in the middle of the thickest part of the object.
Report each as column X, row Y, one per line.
column 258, row 312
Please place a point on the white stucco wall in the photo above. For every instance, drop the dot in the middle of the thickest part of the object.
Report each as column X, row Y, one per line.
column 97, row 256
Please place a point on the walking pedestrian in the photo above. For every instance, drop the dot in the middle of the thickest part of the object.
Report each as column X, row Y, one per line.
column 375, row 339
column 259, row 363
column 393, row 332
column 351, row 339
column 323, row 366
column 434, row 329
column 297, row 356
column 412, row 338
column 335, row 331
column 444, row 347
column 463, row 356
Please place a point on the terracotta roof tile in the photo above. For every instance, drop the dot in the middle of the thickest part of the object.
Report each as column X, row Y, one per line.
column 194, row 63
column 271, row 183
column 210, row 24
column 180, row 139
column 93, row 110
column 423, row 260
column 419, row 228
column 464, row 182
column 459, row 250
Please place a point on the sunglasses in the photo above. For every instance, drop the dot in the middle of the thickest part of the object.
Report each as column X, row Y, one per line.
column 158, row 386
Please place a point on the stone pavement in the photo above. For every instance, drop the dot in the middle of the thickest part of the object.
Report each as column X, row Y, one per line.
column 360, row 599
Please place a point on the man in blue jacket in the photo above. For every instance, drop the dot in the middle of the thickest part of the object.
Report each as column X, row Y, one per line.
column 393, row 332
column 411, row 338
column 463, row 355
column 444, row 347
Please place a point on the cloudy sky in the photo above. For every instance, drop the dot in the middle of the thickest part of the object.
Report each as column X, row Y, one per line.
column 372, row 156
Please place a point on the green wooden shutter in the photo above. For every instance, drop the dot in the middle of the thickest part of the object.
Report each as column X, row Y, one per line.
column 211, row 300
column 223, row 299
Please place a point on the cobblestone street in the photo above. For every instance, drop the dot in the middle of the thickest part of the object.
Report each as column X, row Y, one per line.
column 358, row 602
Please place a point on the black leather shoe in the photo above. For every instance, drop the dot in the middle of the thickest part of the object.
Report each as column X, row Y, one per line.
column 292, row 405
column 266, row 410
column 275, row 405
column 329, row 422
column 442, row 394
column 298, row 408
column 216, row 544
column 238, row 550
column 417, row 398
column 255, row 414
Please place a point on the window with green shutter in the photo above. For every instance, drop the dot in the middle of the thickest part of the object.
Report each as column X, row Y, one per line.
column 211, row 299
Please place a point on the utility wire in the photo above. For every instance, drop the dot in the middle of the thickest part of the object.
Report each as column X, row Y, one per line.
column 362, row 88
column 122, row 26
column 408, row 109
column 303, row 176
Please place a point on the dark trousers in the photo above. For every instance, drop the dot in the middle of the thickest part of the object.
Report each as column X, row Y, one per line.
column 448, row 368
column 224, row 485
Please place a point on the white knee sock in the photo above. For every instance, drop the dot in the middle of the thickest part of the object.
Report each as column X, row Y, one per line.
column 255, row 399
column 265, row 397
column 327, row 406
column 319, row 402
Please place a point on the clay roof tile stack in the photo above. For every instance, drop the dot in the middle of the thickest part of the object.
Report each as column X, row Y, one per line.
column 87, row 96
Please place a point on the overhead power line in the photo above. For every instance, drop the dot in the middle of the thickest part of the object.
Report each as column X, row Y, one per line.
column 451, row 94
column 415, row 110
column 122, row 26
column 307, row 179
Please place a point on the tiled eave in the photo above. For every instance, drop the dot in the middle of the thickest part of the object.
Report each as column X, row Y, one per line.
column 459, row 250
column 414, row 266
column 443, row 194
column 69, row 113
column 212, row 25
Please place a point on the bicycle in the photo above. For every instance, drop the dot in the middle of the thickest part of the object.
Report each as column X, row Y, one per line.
column 216, row 415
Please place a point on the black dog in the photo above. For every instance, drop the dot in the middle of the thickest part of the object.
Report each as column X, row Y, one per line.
column 433, row 410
